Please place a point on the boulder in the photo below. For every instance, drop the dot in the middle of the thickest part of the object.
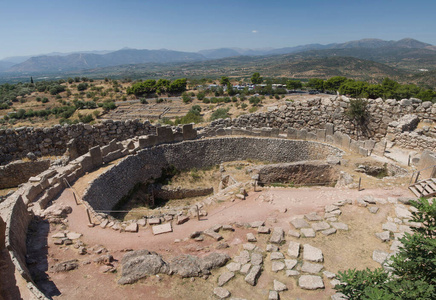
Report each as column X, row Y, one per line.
column 138, row 264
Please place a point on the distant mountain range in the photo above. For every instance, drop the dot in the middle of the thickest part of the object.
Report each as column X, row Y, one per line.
column 404, row 54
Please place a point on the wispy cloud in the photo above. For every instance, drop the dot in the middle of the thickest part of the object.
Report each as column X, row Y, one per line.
column 254, row 31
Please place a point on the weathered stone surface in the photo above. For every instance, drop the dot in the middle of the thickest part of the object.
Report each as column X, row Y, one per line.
column 339, row 296
column 225, row 277
column 221, row 293
column 249, row 246
column 279, row 286
column 245, row 269
column 273, row 295
column 308, row 232
column 243, row 257
column 379, row 256
column 65, row 266
column 213, row 234
column 313, row 216
column 253, row 275
column 294, row 233
column 389, row 226
column 329, row 275
column 339, row 226
column 277, row 235
column 233, row 267
column 133, row 227
column 290, row 263
column 311, row 268
column 383, row 236
column 310, row 282
column 182, row 219
column 159, row 229
column 251, row 237
column 329, row 231
column 256, row 259
column 73, row 235
column 263, row 230
column 294, row 249
column 272, row 248
column 373, row 209
column 402, row 212
column 290, row 273
column 330, row 208
column 154, row 221
column 138, row 264
column 299, row 223
column 320, row 226
column 192, row 266
column 311, row 253
column 277, row 266
column 276, row 255
column 257, row 224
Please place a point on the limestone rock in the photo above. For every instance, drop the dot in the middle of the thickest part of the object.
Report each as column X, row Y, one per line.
column 383, row 236
column 308, row 232
column 329, row 231
column 233, row 267
column 138, row 264
column 339, row 226
column 313, row 254
column 277, row 266
column 299, row 223
column 311, row 268
column 320, row 226
column 221, row 293
column 310, row 282
column 290, row 263
column 273, row 295
column 276, row 256
column 256, row 259
column 294, row 249
column 253, row 275
column 251, row 237
column 279, row 286
column 277, row 235
column 294, row 233
column 225, row 277
column 379, row 256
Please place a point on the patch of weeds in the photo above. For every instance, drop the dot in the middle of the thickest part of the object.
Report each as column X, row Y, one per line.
column 195, row 176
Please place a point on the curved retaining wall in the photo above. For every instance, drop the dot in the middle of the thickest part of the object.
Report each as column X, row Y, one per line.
column 106, row 190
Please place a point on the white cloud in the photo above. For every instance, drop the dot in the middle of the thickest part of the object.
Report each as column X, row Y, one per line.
column 254, row 31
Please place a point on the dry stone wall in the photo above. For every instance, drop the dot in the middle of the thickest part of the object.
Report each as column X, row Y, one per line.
column 312, row 115
column 17, row 143
column 18, row 172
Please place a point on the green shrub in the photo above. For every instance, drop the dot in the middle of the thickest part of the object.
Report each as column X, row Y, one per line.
column 220, row 113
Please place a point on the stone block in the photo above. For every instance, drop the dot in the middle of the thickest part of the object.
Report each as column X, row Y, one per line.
column 165, row 134
column 346, row 140
column 163, row 228
column 292, row 133
column 329, row 129
column 302, row 134
column 96, row 156
column 320, row 135
column 311, row 136
column 189, row 133
column 363, row 151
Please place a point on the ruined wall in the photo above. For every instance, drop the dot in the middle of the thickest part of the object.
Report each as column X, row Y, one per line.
column 18, row 172
column 313, row 114
column 170, row 193
column 17, row 143
column 106, row 190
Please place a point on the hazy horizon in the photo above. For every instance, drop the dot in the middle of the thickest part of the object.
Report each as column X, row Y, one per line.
column 30, row 28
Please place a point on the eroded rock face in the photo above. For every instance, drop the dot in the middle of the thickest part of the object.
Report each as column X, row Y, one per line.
column 138, row 264
column 192, row 266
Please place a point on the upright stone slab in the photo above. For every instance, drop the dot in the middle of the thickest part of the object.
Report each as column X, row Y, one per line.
column 292, row 133
column 311, row 136
column 189, row 133
column 329, row 129
column 96, row 157
column 178, row 137
column 363, row 151
column 337, row 136
column 346, row 140
column 302, row 134
column 165, row 134
column 320, row 135
column 354, row 146
column 275, row 132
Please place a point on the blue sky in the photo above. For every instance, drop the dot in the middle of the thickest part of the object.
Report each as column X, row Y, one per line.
column 44, row 26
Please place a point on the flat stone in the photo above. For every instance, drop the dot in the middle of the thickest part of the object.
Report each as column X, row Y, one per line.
column 251, row 237
column 290, row 263
column 332, row 219
column 133, row 227
column 276, row 255
column 361, row 203
column 373, row 209
column 249, row 247
column 329, row 275
column 73, row 235
column 213, row 234
column 216, row 227
column 104, row 223
column 313, row 254
column 253, row 275
column 379, row 256
column 330, row 208
column 294, row 233
column 311, row 268
column 299, row 223
column 273, row 295
column 405, row 228
column 339, row 226
column 320, row 226
column 334, row 282
column 389, row 226
column 164, row 228
column 245, row 269
column 310, row 282
column 395, row 247
column 294, row 249
column 195, row 234
column 277, row 266
column 263, row 230
column 154, row 221
column 313, row 217
column 383, row 236
column 221, row 293
column 228, row 228
column 277, row 235
column 142, row 222
column 225, row 277
column 180, row 220
column 243, row 257
column 334, row 213
column 290, row 273
column 308, row 232
column 329, row 231
column 339, row 296
column 402, row 213
column 272, row 248
column 279, row 286
column 256, row 259
column 59, row 235
column 369, row 199
column 257, row 224
column 58, row 242
column 233, row 267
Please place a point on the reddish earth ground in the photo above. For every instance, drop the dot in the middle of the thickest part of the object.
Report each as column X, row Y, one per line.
column 352, row 249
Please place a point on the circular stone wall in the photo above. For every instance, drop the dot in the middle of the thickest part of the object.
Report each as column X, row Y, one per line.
column 106, row 190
